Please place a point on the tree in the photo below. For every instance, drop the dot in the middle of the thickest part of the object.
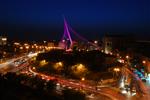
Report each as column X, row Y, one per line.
column 73, row 95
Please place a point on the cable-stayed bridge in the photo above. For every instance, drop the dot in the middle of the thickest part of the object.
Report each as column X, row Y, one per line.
column 71, row 38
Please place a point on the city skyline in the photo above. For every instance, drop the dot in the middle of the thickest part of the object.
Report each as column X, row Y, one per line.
column 92, row 19
column 75, row 50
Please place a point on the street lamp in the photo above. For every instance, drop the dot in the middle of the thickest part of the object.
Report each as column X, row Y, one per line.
column 95, row 41
column 116, row 70
column 144, row 62
column 127, row 57
column 21, row 48
column 60, row 63
column 33, row 68
column 27, row 47
column 128, row 60
column 82, row 79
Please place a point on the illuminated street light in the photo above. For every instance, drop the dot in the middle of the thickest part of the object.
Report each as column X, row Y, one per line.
column 35, row 44
column 44, row 41
column 127, row 57
column 32, row 46
column 27, row 47
column 144, row 62
column 33, row 68
column 82, row 79
column 25, row 44
column 60, row 63
column 116, row 69
column 121, row 60
column 16, row 43
column 21, row 48
column 95, row 42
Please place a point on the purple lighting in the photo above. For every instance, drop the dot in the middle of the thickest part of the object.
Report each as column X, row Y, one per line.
column 67, row 31
column 67, row 36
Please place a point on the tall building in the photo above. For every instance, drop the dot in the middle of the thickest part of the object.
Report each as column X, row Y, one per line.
column 117, row 42
column 3, row 40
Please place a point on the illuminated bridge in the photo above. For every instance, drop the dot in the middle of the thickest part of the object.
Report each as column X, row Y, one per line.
column 71, row 38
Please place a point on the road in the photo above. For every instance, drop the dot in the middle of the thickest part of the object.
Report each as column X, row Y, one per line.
column 144, row 93
column 77, row 85
column 70, row 83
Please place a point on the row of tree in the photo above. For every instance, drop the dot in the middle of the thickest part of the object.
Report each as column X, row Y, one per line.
column 94, row 60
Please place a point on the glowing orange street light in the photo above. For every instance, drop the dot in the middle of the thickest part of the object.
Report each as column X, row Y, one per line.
column 95, row 42
column 116, row 69
column 82, row 79
column 33, row 68
column 21, row 48
column 144, row 62
column 27, row 47
column 60, row 63
column 127, row 56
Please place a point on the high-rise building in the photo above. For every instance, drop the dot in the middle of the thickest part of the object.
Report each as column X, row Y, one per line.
column 117, row 42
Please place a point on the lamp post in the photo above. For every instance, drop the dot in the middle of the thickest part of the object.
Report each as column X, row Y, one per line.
column 144, row 62
column 82, row 80
column 128, row 58
column 116, row 70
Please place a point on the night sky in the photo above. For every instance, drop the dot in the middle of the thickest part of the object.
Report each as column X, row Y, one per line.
column 33, row 19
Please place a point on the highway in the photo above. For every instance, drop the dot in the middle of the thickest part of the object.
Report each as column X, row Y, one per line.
column 78, row 85
column 23, row 65
column 69, row 83
column 143, row 93
column 16, row 64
